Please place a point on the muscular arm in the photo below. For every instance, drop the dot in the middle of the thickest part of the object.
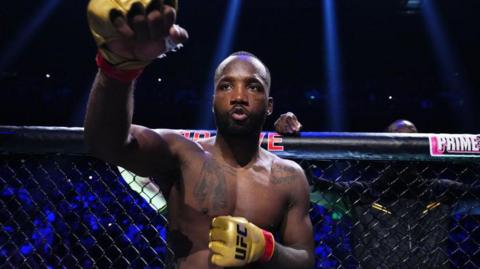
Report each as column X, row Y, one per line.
column 129, row 35
column 296, row 249
column 110, row 135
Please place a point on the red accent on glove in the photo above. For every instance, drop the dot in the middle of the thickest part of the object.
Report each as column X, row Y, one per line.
column 125, row 76
column 269, row 246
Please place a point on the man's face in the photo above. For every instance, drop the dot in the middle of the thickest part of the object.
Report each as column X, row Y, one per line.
column 241, row 102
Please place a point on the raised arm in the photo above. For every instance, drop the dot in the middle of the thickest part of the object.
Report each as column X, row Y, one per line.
column 128, row 41
column 110, row 135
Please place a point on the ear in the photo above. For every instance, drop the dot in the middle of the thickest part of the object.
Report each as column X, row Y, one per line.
column 213, row 102
column 270, row 106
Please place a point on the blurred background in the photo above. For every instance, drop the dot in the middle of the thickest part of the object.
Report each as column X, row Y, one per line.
column 340, row 65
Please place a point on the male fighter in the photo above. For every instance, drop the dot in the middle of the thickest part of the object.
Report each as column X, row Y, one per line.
column 227, row 197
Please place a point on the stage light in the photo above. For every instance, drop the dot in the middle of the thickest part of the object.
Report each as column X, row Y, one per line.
column 334, row 85
column 411, row 6
column 224, row 47
column 448, row 65
column 24, row 36
column 313, row 94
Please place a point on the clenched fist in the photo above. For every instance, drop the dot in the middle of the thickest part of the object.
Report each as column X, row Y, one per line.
column 131, row 33
column 236, row 242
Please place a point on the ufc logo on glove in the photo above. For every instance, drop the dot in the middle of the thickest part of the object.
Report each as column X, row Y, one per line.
column 234, row 241
column 241, row 250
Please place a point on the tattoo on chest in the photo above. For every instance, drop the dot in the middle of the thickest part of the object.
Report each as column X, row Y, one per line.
column 211, row 190
column 283, row 174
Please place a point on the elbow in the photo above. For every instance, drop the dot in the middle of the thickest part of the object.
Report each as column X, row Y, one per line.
column 100, row 148
column 104, row 152
column 94, row 150
column 89, row 137
column 94, row 146
column 310, row 261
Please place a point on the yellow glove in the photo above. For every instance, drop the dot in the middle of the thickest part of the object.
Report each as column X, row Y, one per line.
column 103, row 30
column 236, row 242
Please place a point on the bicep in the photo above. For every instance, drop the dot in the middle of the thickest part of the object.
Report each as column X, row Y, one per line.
column 297, row 231
column 149, row 153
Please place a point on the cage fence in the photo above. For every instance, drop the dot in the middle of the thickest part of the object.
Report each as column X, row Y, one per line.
column 377, row 201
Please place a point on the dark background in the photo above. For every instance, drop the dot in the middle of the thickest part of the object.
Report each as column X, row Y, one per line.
column 385, row 50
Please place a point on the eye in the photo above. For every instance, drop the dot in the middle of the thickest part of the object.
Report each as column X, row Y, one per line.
column 224, row 86
column 255, row 87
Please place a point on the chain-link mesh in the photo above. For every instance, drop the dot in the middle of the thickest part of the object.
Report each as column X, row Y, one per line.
column 373, row 214
column 71, row 211
column 75, row 212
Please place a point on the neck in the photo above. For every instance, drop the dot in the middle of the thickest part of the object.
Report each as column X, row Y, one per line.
column 238, row 151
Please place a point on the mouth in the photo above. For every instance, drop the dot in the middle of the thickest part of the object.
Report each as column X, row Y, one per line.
column 239, row 113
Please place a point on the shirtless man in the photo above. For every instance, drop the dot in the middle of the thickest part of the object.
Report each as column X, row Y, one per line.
column 226, row 195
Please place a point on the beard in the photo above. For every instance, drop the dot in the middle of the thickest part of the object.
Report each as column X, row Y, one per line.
column 230, row 127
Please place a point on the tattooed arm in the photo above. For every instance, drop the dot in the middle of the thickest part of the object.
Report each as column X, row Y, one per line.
column 296, row 249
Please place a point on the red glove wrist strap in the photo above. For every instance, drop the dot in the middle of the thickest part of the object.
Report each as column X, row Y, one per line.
column 269, row 246
column 125, row 76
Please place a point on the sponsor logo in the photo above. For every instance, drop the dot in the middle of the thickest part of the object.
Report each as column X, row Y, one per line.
column 273, row 140
column 241, row 249
column 449, row 145
column 196, row 135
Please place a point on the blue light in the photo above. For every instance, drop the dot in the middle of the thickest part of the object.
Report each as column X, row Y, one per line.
column 163, row 233
column 8, row 191
column 448, row 64
column 132, row 232
column 28, row 32
column 224, row 47
column 50, row 216
column 335, row 114
column 26, row 249
column 313, row 94
column 412, row 6
column 92, row 221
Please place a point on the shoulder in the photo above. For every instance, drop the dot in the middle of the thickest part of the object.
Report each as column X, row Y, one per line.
column 286, row 172
column 173, row 139
column 207, row 143
column 176, row 137
column 287, row 165
column 290, row 177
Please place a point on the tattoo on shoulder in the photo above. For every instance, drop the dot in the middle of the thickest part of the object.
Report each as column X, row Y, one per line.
column 211, row 189
column 283, row 174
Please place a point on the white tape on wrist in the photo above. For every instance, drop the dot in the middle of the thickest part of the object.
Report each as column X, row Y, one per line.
column 170, row 45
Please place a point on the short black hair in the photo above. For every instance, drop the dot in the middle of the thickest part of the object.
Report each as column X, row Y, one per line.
column 400, row 124
column 248, row 54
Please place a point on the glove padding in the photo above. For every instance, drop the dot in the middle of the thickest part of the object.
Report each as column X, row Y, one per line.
column 236, row 242
column 103, row 31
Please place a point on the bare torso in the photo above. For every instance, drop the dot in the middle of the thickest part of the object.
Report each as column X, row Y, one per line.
column 208, row 187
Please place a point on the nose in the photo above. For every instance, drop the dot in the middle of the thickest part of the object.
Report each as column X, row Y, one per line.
column 239, row 96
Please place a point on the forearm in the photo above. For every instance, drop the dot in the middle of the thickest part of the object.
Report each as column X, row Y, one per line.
column 109, row 115
column 288, row 257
